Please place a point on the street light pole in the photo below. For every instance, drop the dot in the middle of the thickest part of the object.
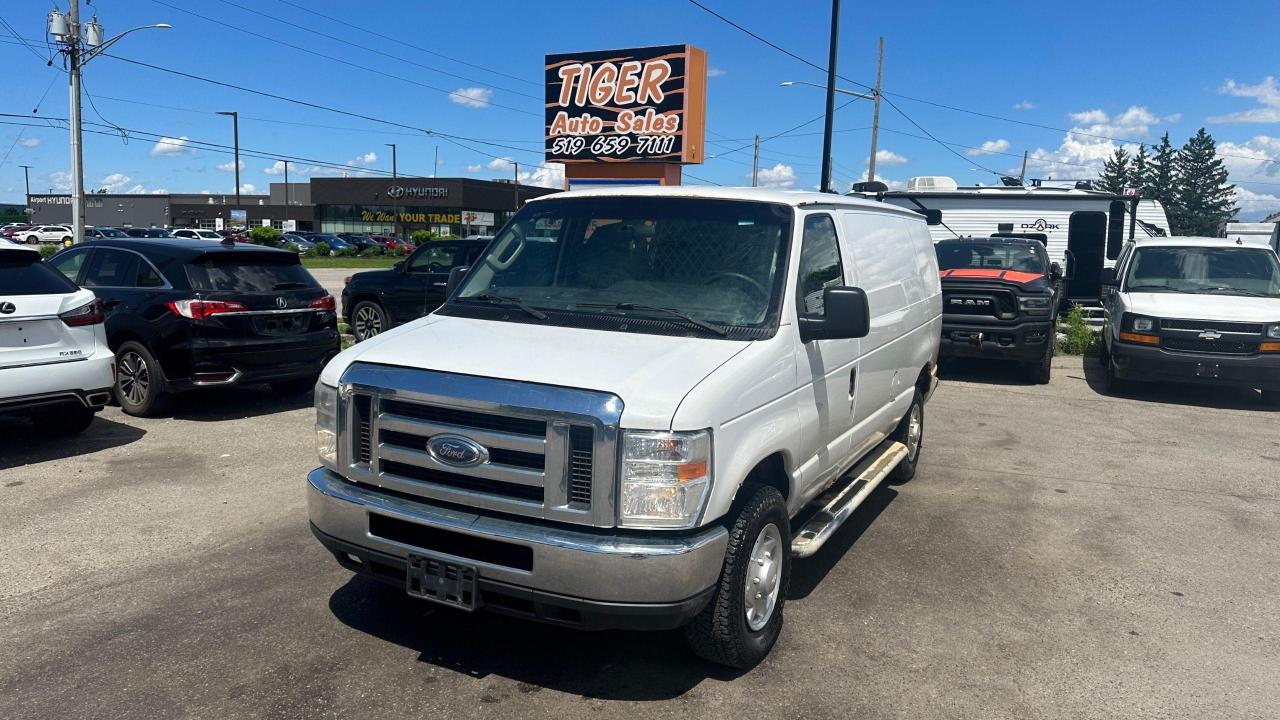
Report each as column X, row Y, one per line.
column 875, row 118
column 831, row 96
column 395, row 205
column 235, row 134
column 26, row 182
column 286, row 189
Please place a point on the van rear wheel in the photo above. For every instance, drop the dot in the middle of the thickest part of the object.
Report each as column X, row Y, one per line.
column 743, row 619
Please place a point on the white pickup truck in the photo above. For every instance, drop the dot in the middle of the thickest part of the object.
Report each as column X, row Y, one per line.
column 637, row 407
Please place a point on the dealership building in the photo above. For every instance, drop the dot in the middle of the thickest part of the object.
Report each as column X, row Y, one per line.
column 458, row 206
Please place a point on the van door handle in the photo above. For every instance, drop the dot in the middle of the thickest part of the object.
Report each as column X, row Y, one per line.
column 439, row 284
column 853, row 381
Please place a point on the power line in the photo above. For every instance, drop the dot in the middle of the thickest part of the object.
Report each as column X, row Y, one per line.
column 941, row 144
column 25, row 44
column 277, row 41
column 399, row 41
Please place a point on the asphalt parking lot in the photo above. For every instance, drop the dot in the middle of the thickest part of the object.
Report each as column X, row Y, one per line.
column 1060, row 554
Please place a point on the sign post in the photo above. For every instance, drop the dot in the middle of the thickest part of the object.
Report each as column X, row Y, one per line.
column 621, row 116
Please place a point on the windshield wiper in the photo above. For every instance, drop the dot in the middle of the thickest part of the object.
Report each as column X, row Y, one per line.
column 1236, row 291
column 722, row 332
column 506, row 301
column 1158, row 288
column 290, row 285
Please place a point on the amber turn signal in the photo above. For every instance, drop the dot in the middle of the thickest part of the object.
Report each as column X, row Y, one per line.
column 1137, row 338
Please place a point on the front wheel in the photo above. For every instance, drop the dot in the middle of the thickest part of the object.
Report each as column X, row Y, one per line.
column 1113, row 383
column 910, row 433
column 367, row 320
column 1040, row 371
column 743, row 619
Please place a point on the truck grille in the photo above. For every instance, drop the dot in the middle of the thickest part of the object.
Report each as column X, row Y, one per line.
column 551, row 460
column 998, row 304
column 1202, row 325
column 1221, row 347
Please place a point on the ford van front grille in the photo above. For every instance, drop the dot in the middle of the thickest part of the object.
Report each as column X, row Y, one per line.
column 488, row 444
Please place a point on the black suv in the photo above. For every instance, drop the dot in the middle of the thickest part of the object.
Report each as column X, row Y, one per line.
column 378, row 300
column 183, row 314
column 1000, row 299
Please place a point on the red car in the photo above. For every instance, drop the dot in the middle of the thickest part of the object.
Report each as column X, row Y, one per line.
column 392, row 242
column 13, row 230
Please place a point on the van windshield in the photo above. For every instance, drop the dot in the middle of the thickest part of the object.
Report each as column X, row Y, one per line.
column 714, row 262
column 1208, row 270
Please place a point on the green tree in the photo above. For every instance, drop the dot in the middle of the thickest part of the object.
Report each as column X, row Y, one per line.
column 265, row 235
column 417, row 237
column 1163, row 182
column 1115, row 172
column 1205, row 199
column 1140, row 175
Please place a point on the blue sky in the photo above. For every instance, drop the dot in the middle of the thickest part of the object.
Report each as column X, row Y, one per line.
column 1125, row 70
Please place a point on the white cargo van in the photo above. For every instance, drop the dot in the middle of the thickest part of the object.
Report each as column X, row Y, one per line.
column 636, row 408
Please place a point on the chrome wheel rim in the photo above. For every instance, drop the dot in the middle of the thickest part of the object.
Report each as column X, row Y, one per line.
column 915, row 430
column 368, row 322
column 134, row 377
column 764, row 575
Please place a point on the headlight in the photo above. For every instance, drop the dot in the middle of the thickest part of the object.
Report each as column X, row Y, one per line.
column 1143, row 324
column 1034, row 305
column 327, row 425
column 1273, row 331
column 665, row 478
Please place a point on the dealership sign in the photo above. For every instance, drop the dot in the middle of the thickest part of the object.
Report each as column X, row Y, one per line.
column 627, row 105
column 397, row 192
column 50, row 199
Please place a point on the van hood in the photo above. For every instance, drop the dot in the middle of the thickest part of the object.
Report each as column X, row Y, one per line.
column 651, row 373
column 1225, row 308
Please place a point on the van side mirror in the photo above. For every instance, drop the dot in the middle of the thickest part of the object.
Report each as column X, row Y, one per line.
column 932, row 217
column 1109, row 277
column 456, row 276
column 846, row 314
column 1055, row 271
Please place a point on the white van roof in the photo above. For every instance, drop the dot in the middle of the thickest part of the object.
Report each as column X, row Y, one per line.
column 1189, row 241
column 794, row 198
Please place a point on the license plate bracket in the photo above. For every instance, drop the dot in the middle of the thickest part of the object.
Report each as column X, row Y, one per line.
column 442, row 581
column 1208, row 370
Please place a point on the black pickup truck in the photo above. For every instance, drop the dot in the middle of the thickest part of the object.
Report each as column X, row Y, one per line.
column 1000, row 300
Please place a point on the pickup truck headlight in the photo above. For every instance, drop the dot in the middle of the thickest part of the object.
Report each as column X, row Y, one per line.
column 665, row 478
column 327, row 425
column 1273, row 332
column 1035, row 305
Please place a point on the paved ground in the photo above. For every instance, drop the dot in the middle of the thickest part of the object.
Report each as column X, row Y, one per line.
column 1061, row 554
column 331, row 279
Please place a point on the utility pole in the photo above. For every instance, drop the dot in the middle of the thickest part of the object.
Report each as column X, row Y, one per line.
column 26, row 182
column 286, row 189
column 516, row 184
column 875, row 117
column 395, row 205
column 831, row 96
column 235, row 132
column 393, row 159
column 1022, row 176
column 755, row 163
column 435, row 163
column 80, row 45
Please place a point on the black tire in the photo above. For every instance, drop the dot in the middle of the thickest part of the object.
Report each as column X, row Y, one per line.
column 33, row 239
column 721, row 632
column 64, row 420
column 368, row 319
column 141, row 388
column 1112, row 382
column 1040, row 371
column 296, row 386
column 906, row 470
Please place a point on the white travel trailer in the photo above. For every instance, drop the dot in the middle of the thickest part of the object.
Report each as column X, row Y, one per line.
column 1259, row 233
column 1083, row 230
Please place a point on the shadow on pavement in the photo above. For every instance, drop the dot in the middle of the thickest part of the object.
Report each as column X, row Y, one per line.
column 615, row 665
column 807, row 574
column 21, row 444
column 1223, row 397
column 983, row 370
column 215, row 404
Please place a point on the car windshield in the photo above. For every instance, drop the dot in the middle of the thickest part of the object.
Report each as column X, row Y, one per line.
column 208, row 234
column 248, row 272
column 1210, row 270
column 989, row 256
column 326, row 238
column 24, row 273
column 715, row 261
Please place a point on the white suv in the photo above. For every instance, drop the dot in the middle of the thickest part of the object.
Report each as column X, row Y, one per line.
column 47, row 233
column 196, row 234
column 1191, row 309
column 55, row 366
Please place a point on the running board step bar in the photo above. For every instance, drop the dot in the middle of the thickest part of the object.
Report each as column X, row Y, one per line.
column 840, row 502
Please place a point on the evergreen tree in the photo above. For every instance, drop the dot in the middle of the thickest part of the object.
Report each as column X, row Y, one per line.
column 1140, row 175
column 1205, row 199
column 1115, row 172
column 1162, row 183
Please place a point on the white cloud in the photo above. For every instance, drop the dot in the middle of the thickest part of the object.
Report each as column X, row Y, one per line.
column 474, row 168
column 714, row 72
column 368, row 158
column 889, row 157
column 1267, row 93
column 1082, row 151
column 27, row 142
column 230, row 165
column 998, row 145
column 548, row 176
column 117, row 182
column 472, row 97
column 172, row 147
column 778, row 176
column 248, row 188
column 1026, row 105
column 60, row 181
column 1252, row 158
column 1255, row 206
column 500, row 164
column 295, row 170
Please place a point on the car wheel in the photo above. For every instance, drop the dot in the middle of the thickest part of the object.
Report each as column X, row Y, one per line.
column 141, row 388
column 33, row 239
column 65, row 420
column 743, row 619
column 1040, row 371
column 1112, row 382
column 910, row 433
column 296, row 386
column 367, row 320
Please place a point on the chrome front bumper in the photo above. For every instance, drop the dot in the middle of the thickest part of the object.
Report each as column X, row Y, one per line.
column 590, row 564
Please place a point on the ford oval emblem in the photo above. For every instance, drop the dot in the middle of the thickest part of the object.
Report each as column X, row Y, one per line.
column 457, row 451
